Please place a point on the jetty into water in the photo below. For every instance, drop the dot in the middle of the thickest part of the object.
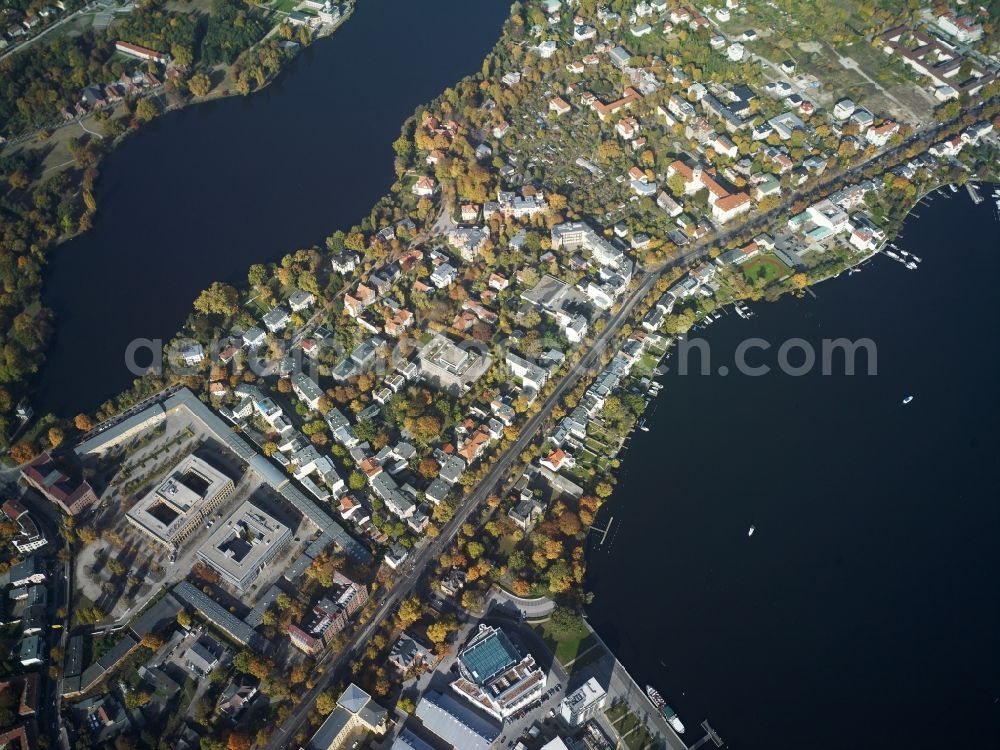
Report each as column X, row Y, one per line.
column 623, row 690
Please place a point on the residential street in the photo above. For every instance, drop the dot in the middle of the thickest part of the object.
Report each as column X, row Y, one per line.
column 413, row 572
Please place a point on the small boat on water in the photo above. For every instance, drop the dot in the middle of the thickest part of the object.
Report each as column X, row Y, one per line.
column 952, row 187
column 751, row 531
column 891, row 254
column 916, row 259
column 907, row 399
column 668, row 713
column 642, row 425
column 911, row 265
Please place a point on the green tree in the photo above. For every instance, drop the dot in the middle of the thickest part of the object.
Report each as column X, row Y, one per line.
column 146, row 109
column 200, row 84
column 565, row 624
column 219, row 298
column 356, row 480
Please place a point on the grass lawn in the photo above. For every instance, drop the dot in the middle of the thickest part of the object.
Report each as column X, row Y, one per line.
column 589, row 651
column 577, row 474
column 285, row 6
column 567, row 648
column 645, row 366
column 626, row 723
column 586, row 458
column 507, row 544
column 763, row 270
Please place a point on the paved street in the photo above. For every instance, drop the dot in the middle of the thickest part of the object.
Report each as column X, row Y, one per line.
column 419, row 562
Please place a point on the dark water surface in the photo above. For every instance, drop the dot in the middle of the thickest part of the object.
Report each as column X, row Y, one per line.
column 864, row 611
column 209, row 190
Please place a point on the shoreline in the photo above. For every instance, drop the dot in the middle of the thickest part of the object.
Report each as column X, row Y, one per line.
column 30, row 141
column 653, row 397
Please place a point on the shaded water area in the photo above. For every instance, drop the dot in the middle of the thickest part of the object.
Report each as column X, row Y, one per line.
column 863, row 612
column 207, row 191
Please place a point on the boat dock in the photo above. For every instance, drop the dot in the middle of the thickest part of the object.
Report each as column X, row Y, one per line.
column 622, row 689
column 710, row 736
column 603, row 532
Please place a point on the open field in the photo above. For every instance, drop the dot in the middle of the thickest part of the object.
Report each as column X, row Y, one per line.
column 764, row 269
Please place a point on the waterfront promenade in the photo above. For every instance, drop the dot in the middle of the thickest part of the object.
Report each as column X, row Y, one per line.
column 622, row 688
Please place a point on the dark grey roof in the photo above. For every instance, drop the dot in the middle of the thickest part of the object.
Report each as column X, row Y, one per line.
column 117, row 652
column 157, row 616
column 74, row 657
column 407, row 740
column 221, row 618
column 256, row 615
column 112, row 433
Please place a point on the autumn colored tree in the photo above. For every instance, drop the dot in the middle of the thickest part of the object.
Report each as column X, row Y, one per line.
column 521, row 587
column 239, row 741
column 23, row 452
column 250, row 663
column 56, row 436
column 428, row 468
column 200, row 84
column 325, row 703
column 146, row 109
column 219, row 298
column 410, row 611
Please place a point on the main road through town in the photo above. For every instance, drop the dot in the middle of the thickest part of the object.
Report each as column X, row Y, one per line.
column 414, row 570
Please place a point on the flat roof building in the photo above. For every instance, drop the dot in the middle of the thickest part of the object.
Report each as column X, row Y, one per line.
column 454, row 723
column 495, row 677
column 449, row 366
column 182, row 403
column 243, row 544
column 177, row 506
column 577, row 708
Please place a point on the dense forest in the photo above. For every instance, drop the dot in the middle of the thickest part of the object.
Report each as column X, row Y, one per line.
column 30, row 219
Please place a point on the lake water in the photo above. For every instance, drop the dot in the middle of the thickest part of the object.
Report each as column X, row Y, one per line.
column 864, row 611
column 206, row 191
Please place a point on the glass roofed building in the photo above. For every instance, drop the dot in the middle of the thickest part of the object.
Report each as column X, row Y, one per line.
column 495, row 677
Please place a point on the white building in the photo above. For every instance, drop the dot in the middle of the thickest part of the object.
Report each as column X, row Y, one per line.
column 583, row 703
column 307, row 390
column 843, row 109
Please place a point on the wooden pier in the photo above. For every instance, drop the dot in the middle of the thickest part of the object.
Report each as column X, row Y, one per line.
column 603, row 532
column 710, row 736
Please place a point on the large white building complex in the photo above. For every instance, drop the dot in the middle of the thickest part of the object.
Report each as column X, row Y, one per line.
column 243, row 544
column 179, row 504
